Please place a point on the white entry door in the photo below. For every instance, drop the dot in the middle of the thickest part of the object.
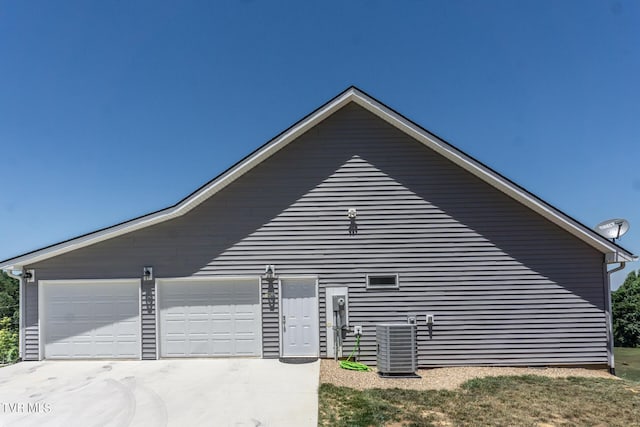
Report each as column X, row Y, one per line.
column 299, row 310
column 209, row 317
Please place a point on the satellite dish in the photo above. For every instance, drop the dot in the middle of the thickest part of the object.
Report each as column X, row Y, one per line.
column 613, row 228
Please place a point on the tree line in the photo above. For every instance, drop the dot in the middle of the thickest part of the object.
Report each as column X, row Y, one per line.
column 9, row 318
column 625, row 303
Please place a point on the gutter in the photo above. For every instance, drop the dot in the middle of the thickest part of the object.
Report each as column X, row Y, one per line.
column 618, row 268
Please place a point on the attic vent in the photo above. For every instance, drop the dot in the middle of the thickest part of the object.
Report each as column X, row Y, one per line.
column 382, row 281
column 396, row 349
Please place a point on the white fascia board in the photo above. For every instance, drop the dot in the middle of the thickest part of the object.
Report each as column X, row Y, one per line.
column 89, row 239
column 192, row 201
column 370, row 104
column 616, row 257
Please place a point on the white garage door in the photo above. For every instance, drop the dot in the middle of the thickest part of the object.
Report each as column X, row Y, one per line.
column 210, row 317
column 90, row 319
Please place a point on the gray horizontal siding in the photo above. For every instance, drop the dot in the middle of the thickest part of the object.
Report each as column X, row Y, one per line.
column 270, row 319
column 31, row 322
column 148, row 319
column 506, row 286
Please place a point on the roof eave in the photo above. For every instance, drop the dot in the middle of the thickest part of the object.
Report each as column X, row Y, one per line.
column 387, row 114
column 492, row 177
column 616, row 257
column 193, row 199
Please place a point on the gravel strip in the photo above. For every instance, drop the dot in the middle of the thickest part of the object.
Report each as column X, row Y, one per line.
column 440, row 378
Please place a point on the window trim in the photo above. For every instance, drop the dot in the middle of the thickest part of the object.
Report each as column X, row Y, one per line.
column 375, row 287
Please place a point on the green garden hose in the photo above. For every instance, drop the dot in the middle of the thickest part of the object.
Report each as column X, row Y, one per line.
column 354, row 366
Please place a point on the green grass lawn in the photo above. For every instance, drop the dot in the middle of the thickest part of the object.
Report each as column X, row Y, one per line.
column 492, row 401
column 627, row 363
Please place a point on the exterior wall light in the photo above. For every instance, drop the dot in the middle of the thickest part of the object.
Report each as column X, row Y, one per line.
column 147, row 273
column 353, row 225
column 270, row 272
column 29, row 276
column 270, row 277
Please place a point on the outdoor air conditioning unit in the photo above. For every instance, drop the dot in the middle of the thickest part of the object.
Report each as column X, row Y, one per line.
column 396, row 349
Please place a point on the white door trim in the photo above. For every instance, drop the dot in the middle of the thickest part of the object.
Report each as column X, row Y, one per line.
column 203, row 279
column 42, row 311
column 280, row 332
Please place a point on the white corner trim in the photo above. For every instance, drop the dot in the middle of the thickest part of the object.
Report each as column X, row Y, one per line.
column 375, row 107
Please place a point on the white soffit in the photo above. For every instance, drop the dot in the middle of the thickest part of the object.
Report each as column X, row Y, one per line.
column 350, row 95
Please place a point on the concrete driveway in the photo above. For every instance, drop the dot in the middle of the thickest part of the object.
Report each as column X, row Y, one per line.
column 194, row 392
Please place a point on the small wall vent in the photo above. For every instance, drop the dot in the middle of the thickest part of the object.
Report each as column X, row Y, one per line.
column 396, row 349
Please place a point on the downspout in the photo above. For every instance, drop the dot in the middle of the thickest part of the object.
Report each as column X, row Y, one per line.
column 609, row 314
column 20, row 310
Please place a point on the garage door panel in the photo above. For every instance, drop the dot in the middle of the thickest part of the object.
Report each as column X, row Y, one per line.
column 125, row 308
column 199, row 347
column 244, row 348
column 130, row 347
column 83, row 349
column 174, row 327
column 244, row 325
column 195, row 312
column 103, row 309
column 91, row 319
column 127, row 329
column 173, row 348
column 196, row 327
column 57, row 349
column 244, row 314
column 220, row 309
column 212, row 314
column 221, row 326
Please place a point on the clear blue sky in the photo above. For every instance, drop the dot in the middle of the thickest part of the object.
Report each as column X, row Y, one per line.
column 113, row 109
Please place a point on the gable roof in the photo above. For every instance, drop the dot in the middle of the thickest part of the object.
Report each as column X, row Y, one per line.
column 615, row 253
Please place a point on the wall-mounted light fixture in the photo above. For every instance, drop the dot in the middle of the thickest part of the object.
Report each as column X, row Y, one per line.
column 29, row 276
column 270, row 272
column 147, row 273
column 353, row 225
column 270, row 277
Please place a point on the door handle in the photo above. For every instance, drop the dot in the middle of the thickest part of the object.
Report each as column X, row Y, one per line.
column 284, row 323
